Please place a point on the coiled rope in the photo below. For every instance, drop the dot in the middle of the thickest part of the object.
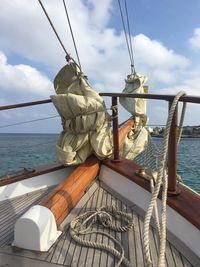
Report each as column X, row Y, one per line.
column 162, row 179
column 82, row 225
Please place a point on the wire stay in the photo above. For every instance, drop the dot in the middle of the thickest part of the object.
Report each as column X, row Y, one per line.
column 25, row 122
column 128, row 39
column 68, row 57
column 72, row 35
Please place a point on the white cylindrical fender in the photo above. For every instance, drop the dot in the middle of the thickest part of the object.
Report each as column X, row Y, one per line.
column 36, row 229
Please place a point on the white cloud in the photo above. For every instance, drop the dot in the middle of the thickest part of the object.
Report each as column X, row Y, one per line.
column 24, row 31
column 22, row 79
column 102, row 50
column 100, row 12
column 190, row 83
column 157, row 55
column 161, row 64
column 195, row 39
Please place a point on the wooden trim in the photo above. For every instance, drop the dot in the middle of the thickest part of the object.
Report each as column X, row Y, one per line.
column 11, row 259
column 67, row 194
column 36, row 172
column 186, row 204
column 126, row 127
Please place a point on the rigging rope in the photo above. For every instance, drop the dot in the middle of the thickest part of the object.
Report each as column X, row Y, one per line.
column 68, row 57
column 72, row 35
column 128, row 42
column 25, row 122
column 161, row 179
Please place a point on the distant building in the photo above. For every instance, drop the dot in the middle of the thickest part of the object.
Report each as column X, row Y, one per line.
column 158, row 131
column 187, row 130
column 150, row 130
column 196, row 130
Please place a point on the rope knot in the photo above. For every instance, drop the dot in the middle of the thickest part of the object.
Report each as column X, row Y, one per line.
column 105, row 218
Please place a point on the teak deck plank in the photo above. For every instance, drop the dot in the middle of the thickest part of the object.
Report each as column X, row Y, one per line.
column 84, row 250
column 169, row 256
column 91, row 251
column 55, row 253
column 186, row 263
column 131, row 242
column 12, row 209
column 68, row 253
column 139, row 254
column 113, row 202
column 110, row 258
column 153, row 249
column 177, row 257
column 125, row 235
column 97, row 254
column 104, row 239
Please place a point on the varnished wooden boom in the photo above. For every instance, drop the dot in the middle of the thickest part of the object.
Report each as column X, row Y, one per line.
column 67, row 194
column 70, row 191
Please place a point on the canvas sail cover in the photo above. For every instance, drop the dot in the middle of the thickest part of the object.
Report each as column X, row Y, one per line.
column 134, row 84
column 137, row 139
column 86, row 126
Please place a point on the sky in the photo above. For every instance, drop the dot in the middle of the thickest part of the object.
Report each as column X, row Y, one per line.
column 166, row 44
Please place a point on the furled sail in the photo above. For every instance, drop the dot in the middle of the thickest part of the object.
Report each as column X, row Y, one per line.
column 137, row 139
column 86, row 127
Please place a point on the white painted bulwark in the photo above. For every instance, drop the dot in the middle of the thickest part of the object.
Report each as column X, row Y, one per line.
column 182, row 229
column 35, row 183
column 36, row 229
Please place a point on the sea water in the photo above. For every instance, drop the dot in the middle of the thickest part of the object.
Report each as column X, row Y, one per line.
column 188, row 161
column 19, row 151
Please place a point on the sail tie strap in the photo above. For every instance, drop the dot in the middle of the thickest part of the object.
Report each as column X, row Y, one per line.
column 83, row 224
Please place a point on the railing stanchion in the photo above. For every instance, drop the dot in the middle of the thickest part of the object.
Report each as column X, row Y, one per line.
column 172, row 155
column 115, row 129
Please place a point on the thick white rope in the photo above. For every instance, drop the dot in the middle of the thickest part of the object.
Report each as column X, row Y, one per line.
column 162, row 179
column 156, row 217
column 82, row 225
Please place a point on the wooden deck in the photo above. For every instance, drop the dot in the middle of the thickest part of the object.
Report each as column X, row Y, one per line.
column 11, row 210
column 68, row 253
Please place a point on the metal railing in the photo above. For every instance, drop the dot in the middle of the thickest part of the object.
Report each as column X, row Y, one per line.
column 172, row 150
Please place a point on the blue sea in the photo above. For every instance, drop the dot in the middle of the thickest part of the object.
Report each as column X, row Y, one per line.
column 18, row 151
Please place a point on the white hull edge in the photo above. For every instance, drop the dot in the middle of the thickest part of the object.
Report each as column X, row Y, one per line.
column 32, row 184
column 177, row 225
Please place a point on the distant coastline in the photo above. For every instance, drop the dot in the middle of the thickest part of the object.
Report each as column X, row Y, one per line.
column 187, row 132
column 182, row 136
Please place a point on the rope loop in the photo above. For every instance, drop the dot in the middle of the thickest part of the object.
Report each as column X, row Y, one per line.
column 83, row 225
column 161, row 179
column 113, row 117
column 114, row 108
